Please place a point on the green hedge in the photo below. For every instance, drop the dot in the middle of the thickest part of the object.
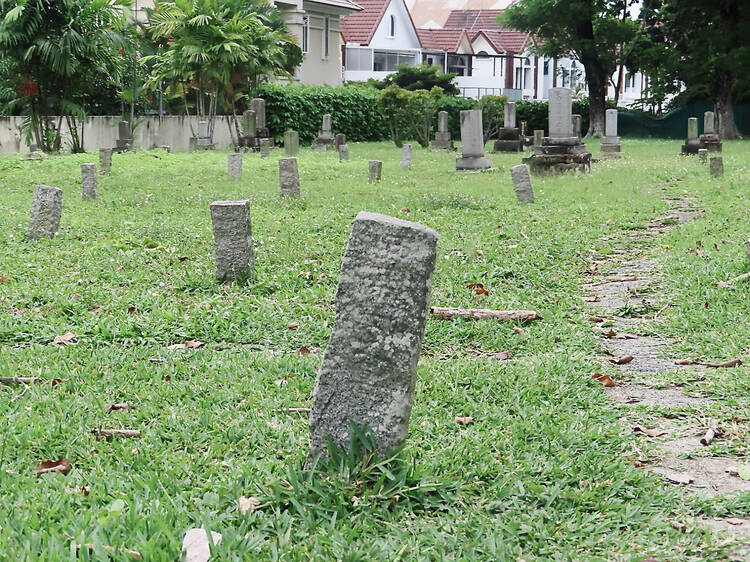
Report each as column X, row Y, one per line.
column 353, row 110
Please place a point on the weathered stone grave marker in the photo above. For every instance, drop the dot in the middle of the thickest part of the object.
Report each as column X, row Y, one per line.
column 88, row 181
column 577, row 123
column 508, row 137
column 611, row 143
column 376, row 170
column 125, row 137
column 289, row 177
column 325, row 135
column 105, row 160
column 258, row 105
column 472, row 142
column 710, row 139
column 443, row 138
column 406, row 157
column 369, row 368
column 343, row 152
column 716, row 165
column 234, row 165
column 562, row 150
column 233, row 242
column 538, row 137
column 291, row 143
column 339, row 140
column 522, row 183
column 265, row 148
column 46, row 210
column 692, row 143
column 702, row 155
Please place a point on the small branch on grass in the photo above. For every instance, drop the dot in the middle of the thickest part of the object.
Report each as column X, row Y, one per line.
column 708, row 437
column 742, row 277
column 116, row 432
column 485, row 314
column 20, row 380
column 295, row 410
column 26, row 387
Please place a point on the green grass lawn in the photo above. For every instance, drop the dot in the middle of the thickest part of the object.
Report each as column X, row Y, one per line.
column 542, row 472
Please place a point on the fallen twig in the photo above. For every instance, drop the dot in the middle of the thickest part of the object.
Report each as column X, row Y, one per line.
column 295, row 410
column 485, row 314
column 26, row 387
column 116, row 432
column 742, row 277
column 708, row 437
column 20, row 380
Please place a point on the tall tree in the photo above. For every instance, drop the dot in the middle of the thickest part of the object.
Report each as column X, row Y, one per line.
column 218, row 50
column 701, row 46
column 59, row 54
column 592, row 31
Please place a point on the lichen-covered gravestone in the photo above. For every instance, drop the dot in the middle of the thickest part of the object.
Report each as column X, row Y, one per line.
column 234, row 165
column 88, row 181
column 105, row 160
column 46, row 210
column 406, row 157
column 369, row 369
column 233, row 241
column 376, row 170
column 472, row 142
column 522, row 183
column 716, row 167
column 289, row 177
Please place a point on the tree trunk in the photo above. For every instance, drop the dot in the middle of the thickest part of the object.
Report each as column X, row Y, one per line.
column 725, row 110
column 596, row 77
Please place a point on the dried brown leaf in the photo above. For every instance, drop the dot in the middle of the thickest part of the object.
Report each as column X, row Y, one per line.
column 248, row 504
column 725, row 364
column 464, row 420
column 684, row 362
column 474, row 286
column 292, row 325
column 118, row 406
column 606, row 380
column 481, row 291
column 623, row 360
column 651, row 432
column 635, row 462
column 4, row 278
column 194, row 344
column 61, row 465
column 69, row 338
column 501, row 356
column 304, row 350
column 596, row 319
column 519, row 331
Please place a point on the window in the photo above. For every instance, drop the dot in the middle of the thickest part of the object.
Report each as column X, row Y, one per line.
column 482, row 55
column 546, row 67
column 386, row 61
column 305, row 34
column 459, row 64
column 573, row 75
column 358, row 58
column 392, row 26
column 326, row 33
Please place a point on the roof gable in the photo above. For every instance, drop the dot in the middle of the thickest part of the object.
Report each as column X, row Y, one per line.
column 361, row 27
column 448, row 40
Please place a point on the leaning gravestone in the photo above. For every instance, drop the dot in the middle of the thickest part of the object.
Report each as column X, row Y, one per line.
column 611, row 144
column 406, row 157
column 443, row 138
column 562, row 150
column 508, row 137
column 472, row 142
column 291, row 143
column 325, row 135
column 265, row 148
column 376, row 170
column 710, row 139
column 716, row 167
column 46, row 210
column 234, row 165
column 522, row 183
column 343, row 152
column 369, row 368
column 289, row 177
column 105, row 160
column 692, row 143
column 233, row 242
column 88, row 181
column 702, row 155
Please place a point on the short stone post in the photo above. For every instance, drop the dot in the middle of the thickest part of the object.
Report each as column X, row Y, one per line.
column 339, row 140
column 406, row 157
column 291, row 143
column 233, row 242
column 234, row 165
column 472, row 142
column 369, row 368
column 702, row 155
column 716, row 167
column 692, row 143
column 88, row 181
column 538, row 137
column 576, row 121
column 289, row 177
column 105, row 160
column 46, row 210
column 522, row 183
column 343, row 152
column 692, row 129
column 376, row 170
column 611, row 143
column 265, row 148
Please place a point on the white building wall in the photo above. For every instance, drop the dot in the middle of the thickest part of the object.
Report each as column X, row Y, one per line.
column 405, row 36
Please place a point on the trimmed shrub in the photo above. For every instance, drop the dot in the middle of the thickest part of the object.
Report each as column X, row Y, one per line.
column 454, row 105
column 354, row 111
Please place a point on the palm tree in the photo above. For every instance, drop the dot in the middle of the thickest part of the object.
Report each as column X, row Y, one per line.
column 218, row 50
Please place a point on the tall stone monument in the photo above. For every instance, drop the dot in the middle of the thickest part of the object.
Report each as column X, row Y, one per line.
column 611, row 143
column 46, row 211
column 472, row 142
column 369, row 368
column 710, row 139
column 325, row 135
column 692, row 142
column 443, row 138
column 233, row 241
column 561, row 150
column 508, row 138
